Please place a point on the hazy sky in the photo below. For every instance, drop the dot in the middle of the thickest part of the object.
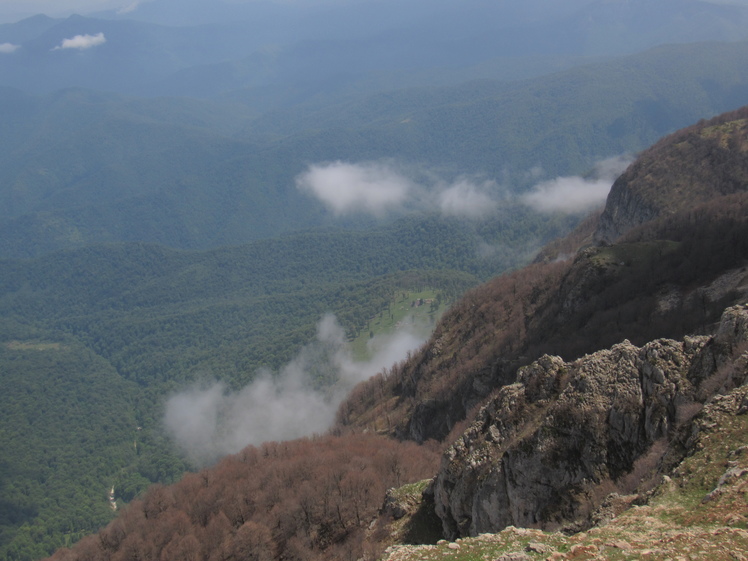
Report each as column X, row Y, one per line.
column 14, row 10
column 11, row 10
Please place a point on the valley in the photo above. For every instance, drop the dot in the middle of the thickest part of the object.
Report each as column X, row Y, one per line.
column 608, row 431
column 255, row 251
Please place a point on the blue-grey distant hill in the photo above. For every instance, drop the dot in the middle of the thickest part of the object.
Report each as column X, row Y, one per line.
column 205, row 49
column 79, row 167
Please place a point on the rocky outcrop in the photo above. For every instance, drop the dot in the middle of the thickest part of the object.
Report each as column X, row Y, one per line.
column 689, row 167
column 546, row 450
column 624, row 210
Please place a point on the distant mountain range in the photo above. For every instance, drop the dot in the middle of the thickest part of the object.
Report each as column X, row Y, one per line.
column 81, row 166
column 161, row 49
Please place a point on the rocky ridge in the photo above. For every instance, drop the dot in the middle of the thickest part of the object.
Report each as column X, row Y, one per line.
column 547, row 450
column 665, row 257
column 696, row 512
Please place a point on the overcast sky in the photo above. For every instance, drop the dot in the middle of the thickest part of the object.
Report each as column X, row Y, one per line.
column 12, row 10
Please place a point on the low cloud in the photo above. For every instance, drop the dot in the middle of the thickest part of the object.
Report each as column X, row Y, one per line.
column 568, row 194
column 209, row 421
column 8, row 48
column 379, row 187
column 577, row 194
column 466, row 199
column 367, row 187
column 82, row 42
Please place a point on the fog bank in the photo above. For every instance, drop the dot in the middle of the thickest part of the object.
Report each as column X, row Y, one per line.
column 208, row 420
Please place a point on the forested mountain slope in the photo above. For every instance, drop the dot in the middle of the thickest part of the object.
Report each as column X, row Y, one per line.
column 317, row 498
column 669, row 277
column 674, row 274
column 94, row 340
column 693, row 166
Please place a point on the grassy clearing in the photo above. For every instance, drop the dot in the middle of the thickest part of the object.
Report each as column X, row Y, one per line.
column 416, row 311
column 30, row 346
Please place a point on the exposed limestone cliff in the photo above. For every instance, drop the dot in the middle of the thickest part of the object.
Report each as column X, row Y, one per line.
column 546, row 451
column 697, row 511
column 694, row 165
column 624, row 210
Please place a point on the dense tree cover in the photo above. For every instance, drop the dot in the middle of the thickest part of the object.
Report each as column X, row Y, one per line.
column 136, row 303
column 299, row 500
column 71, row 432
column 653, row 283
column 82, row 167
column 158, row 313
column 142, row 320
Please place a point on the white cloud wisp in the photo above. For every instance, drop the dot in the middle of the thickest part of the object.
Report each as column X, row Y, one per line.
column 379, row 187
column 576, row 194
column 209, row 421
column 82, row 42
column 369, row 187
column 465, row 199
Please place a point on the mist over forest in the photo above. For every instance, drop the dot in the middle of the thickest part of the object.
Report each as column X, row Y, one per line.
column 216, row 217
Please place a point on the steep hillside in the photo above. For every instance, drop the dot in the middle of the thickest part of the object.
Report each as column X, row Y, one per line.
column 302, row 500
column 569, row 446
column 690, row 167
column 92, row 342
column 670, row 277
column 560, row 443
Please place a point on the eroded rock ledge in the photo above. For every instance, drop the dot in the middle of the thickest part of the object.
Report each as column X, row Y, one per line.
column 547, row 450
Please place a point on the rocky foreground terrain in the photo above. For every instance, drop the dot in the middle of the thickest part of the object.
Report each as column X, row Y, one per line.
column 612, row 456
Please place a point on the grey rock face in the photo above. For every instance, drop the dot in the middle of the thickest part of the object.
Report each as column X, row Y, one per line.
column 624, row 210
column 546, row 451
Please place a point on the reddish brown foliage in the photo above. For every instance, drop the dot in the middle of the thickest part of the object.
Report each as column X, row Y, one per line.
column 306, row 499
column 487, row 324
column 604, row 296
